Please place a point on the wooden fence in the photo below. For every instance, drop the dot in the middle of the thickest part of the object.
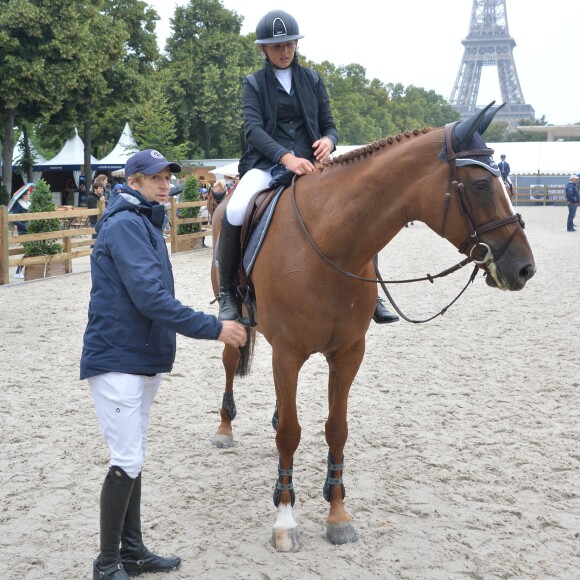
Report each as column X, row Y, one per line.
column 76, row 232
column 75, row 235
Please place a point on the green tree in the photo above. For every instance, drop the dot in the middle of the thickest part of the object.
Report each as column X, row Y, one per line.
column 41, row 200
column 44, row 54
column 154, row 126
column 206, row 61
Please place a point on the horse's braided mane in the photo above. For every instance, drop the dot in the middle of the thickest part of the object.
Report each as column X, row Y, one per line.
column 365, row 150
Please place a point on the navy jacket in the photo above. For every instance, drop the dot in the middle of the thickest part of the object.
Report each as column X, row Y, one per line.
column 21, row 227
column 133, row 313
column 260, row 106
column 572, row 195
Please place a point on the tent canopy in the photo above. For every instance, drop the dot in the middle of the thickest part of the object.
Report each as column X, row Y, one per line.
column 70, row 158
column 17, row 153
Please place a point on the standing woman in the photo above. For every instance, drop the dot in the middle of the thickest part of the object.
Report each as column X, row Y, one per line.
column 288, row 126
column 21, row 206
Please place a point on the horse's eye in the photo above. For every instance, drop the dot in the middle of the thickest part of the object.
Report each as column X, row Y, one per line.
column 481, row 185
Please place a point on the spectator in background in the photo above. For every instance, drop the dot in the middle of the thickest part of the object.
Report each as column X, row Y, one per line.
column 104, row 180
column 95, row 196
column 21, row 206
column 573, row 199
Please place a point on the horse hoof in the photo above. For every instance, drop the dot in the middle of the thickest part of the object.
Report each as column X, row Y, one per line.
column 343, row 533
column 223, row 441
column 286, row 539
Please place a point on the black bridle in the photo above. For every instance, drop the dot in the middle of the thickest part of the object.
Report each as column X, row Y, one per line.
column 486, row 261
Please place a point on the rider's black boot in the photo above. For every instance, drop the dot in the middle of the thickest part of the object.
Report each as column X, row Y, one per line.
column 115, row 495
column 228, row 264
column 381, row 314
column 136, row 558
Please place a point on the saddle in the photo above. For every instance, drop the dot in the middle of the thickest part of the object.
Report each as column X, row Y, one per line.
column 252, row 235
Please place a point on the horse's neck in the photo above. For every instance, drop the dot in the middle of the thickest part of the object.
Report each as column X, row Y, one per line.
column 362, row 205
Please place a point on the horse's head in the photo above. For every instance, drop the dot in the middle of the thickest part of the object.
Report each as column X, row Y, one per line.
column 481, row 220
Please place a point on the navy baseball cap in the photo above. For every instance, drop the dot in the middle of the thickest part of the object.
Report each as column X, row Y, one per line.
column 118, row 187
column 149, row 162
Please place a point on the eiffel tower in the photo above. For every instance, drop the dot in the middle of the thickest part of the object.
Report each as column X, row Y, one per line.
column 489, row 43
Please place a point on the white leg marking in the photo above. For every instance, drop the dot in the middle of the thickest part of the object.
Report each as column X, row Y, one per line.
column 285, row 520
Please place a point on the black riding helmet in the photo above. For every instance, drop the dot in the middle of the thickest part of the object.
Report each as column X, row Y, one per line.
column 277, row 26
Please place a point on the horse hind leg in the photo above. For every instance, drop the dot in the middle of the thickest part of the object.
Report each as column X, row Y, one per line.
column 224, row 436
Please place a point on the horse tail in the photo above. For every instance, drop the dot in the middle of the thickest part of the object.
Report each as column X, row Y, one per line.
column 246, row 354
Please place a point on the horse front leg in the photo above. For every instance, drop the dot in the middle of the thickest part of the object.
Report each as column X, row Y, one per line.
column 343, row 367
column 285, row 534
column 224, row 436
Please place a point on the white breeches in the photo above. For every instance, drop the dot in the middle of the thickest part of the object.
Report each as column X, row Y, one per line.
column 253, row 181
column 123, row 404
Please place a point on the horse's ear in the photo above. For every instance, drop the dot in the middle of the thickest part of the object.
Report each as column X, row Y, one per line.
column 464, row 131
column 488, row 118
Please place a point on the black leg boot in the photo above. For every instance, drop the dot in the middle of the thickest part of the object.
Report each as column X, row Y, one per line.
column 229, row 251
column 115, row 495
column 136, row 558
column 381, row 314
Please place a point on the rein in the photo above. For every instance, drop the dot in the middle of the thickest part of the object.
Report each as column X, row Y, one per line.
column 487, row 260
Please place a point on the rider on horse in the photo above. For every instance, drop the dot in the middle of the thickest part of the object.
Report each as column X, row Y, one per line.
column 288, row 126
column 504, row 168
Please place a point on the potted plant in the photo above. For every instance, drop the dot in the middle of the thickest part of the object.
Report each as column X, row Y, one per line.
column 41, row 200
column 190, row 193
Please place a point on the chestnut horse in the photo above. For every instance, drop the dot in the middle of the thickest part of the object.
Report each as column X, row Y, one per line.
column 333, row 222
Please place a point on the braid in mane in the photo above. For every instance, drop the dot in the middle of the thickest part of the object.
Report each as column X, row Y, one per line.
column 366, row 150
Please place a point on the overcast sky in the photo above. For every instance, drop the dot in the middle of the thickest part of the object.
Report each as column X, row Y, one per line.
column 418, row 42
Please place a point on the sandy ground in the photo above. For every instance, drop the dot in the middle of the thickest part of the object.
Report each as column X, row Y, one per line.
column 462, row 462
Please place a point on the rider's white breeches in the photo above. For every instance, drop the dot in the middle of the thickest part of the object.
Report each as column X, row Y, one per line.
column 123, row 404
column 253, row 181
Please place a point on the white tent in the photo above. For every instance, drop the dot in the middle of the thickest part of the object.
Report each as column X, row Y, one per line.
column 124, row 148
column 229, row 170
column 70, row 158
column 18, row 152
column 38, row 158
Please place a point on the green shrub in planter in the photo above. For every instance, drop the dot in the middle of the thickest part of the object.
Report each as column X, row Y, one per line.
column 41, row 200
column 190, row 193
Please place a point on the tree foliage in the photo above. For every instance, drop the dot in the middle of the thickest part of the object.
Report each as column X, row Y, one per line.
column 41, row 200
column 94, row 64
column 190, row 193
column 206, row 61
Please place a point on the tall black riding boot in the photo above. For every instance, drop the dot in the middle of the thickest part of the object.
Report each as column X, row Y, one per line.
column 115, row 495
column 136, row 558
column 381, row 314
column 229, row 251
